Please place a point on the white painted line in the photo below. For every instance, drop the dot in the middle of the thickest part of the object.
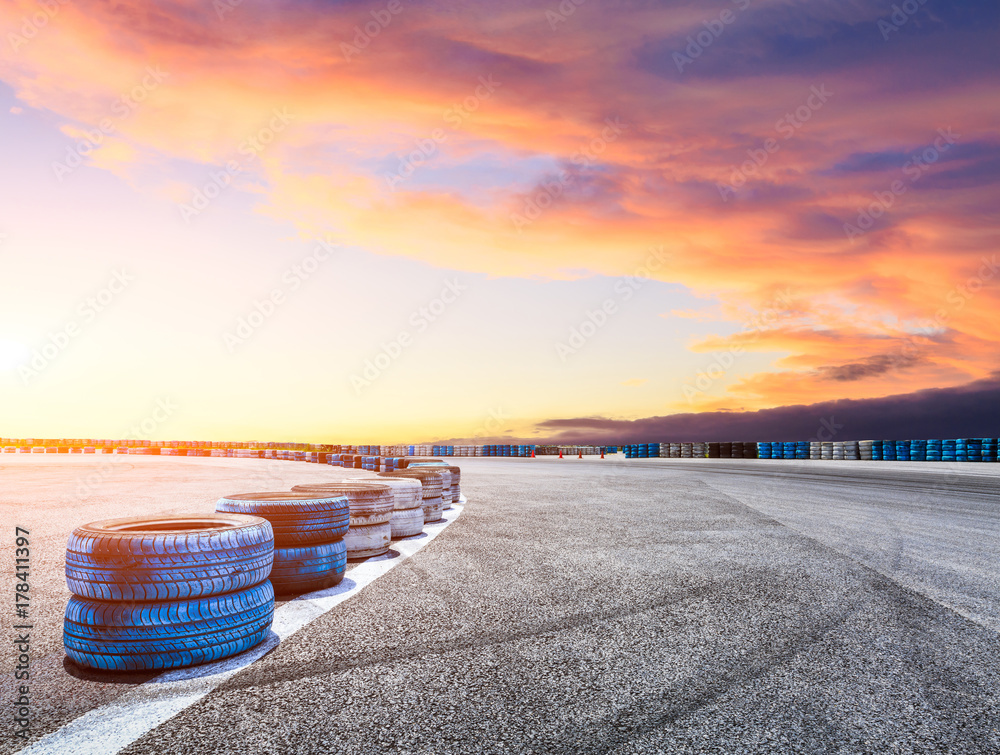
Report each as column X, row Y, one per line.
column 112, row 727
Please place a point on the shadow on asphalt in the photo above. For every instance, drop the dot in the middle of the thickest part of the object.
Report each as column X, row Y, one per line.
column 107, row 677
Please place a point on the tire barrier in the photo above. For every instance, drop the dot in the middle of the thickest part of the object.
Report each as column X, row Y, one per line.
column 308, row 530
column 432, row 484
column 970, row 450
column 308, row 568
column 933, row 452
column 296, row 519
column 167, row 592
column 456, row 477
column 371, row 506
column 168, row 558
column 166, row 634
column 408, row 515
column 948, row 450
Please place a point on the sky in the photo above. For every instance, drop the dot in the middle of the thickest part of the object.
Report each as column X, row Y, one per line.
column 410, row 221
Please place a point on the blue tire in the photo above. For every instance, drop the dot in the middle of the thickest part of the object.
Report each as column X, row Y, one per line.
column 298, row 518
column 168, row 558
column 166, row 634
column 308, row 568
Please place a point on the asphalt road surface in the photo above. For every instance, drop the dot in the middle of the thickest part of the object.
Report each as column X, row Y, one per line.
column 589, row 606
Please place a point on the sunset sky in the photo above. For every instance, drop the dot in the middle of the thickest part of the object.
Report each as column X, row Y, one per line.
column 412, row 221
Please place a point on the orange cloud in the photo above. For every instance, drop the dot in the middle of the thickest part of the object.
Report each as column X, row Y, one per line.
column 586, row 151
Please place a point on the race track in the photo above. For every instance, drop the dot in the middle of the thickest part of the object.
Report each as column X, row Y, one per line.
column 590, row 606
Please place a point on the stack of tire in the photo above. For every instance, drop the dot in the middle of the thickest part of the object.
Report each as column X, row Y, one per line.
column 788, row 450
column 166, row 592
column 990, row 449
column 877, row 450
column 675, row 450
column 902, row 450
column 889, row 450
column 933, row 452
column 764, row 450
column 802, row 450
column 918, row 450
column 851, row 450
column 961, row 452
column 826, row 450
column 309, row 549
column 865, row 450
column 371, row 506
column 815, row 450
column 714, row 450
column 432, row 484
column 456, row 477
column 948, row 450
column 408, row 515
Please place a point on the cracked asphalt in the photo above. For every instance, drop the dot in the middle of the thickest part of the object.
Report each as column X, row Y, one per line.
column 648, row 606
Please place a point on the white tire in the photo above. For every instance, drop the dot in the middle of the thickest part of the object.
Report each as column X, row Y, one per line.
column 407, row 522
column 406, row 490
column 368, row 541
column 433, row 508
column 370, row 502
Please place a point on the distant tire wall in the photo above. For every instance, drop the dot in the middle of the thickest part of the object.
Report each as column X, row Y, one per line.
column 971, row 450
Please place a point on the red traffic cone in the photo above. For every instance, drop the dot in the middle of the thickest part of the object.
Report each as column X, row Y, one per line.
column 532, row 453
column 560, row 454
column 580, row 456
column 602, row 453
